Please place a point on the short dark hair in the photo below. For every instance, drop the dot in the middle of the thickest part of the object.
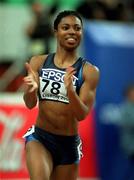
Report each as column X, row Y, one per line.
column 63, row 14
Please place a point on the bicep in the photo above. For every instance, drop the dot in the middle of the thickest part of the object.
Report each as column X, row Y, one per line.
column 88, row 89
column 36, row 63
column 87, row 94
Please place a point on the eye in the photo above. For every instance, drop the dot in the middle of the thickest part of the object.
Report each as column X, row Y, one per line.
column 65, row 28
column 77, row 28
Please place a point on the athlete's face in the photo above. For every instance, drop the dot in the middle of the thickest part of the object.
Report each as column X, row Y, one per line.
column 69, row 32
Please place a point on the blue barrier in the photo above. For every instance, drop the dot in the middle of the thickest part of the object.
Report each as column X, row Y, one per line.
column 110, row 46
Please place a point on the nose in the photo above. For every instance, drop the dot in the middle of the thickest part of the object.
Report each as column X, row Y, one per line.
column 72, row 31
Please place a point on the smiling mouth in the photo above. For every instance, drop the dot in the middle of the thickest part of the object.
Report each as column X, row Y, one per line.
column 71, row 40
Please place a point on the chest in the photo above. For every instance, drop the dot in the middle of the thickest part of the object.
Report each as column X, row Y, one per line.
column 52, row 85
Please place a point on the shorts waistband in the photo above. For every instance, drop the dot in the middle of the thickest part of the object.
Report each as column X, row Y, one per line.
column 42, row 132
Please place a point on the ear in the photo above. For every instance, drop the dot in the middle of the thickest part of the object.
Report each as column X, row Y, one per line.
column 55, row 32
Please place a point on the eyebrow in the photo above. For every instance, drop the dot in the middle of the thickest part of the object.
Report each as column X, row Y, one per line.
column 73, row 24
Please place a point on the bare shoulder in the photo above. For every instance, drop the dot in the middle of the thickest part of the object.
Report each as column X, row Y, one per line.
column 91, row 73
column 88, row 67
column 37, row 61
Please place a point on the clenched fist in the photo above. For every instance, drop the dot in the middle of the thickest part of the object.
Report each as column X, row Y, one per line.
column 68, row 78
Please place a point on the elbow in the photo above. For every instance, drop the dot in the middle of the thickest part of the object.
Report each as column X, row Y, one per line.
column 83, row 116
column 30, row 106
column 84, row 113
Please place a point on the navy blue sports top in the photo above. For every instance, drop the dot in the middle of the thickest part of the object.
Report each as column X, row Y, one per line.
column 51, row 77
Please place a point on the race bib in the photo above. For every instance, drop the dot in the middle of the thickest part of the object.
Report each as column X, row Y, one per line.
column 52, row 85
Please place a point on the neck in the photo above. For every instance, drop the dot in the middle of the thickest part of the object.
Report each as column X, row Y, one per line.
column 64, row 59
column 64, row 55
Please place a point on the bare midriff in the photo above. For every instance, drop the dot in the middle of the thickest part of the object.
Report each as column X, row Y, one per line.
column 56, row 117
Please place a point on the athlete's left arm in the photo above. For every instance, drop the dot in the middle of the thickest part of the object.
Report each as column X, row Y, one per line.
column 82, row 104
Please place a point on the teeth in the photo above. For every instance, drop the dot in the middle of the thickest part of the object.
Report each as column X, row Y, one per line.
column 71, row 39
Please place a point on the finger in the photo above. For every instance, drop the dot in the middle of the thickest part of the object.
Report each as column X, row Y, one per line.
column 29, row 83
column 33, row 88
column 71, row 73
column 68, row 78
column 28, row 68
column 70, row 68
column 28, row 78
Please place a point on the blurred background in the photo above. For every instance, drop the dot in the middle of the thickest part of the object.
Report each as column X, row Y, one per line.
column 108, row 42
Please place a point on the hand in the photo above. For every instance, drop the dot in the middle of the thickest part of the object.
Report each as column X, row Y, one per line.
column 68, row 78
column 30, row 80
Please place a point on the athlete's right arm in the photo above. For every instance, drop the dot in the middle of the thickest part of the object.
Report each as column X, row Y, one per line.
column 31, row 81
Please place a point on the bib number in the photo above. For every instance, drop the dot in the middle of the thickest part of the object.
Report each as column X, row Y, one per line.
column 55, row 86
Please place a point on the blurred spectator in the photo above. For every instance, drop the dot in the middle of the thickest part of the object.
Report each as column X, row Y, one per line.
column 91, row 9
column 40, row 31
column 127, row 121
column 127, row 129
column 118, row 12
column 130, row 6
column 122, row 115
column 115, row 10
